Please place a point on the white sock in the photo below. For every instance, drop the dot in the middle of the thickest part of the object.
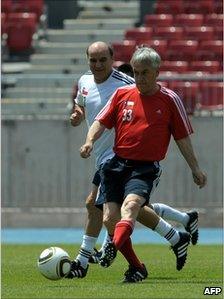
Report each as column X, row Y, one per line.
column 169, row 213
column 167, row 231
column 86, row 250
column 106, row 239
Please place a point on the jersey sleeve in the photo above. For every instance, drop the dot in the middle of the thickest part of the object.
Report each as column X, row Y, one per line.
column 180, row 123
column 80, row 99
column 108, row 114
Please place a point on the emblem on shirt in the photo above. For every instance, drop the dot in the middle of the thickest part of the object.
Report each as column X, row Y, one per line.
column 128, row 110
column 84, row 92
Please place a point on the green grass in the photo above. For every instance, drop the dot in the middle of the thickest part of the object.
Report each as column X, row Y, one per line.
column 21, row 279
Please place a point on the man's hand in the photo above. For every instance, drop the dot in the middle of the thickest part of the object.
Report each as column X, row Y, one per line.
column 77, row 116
column 200, row 178
column 86, row 149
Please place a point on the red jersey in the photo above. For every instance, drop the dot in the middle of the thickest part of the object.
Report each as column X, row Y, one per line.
column 144, row 124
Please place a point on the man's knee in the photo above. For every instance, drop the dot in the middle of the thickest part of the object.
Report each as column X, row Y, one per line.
column 110, row 219
column 90, row 202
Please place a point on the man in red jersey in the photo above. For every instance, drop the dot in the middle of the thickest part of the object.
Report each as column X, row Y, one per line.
column 144, row 118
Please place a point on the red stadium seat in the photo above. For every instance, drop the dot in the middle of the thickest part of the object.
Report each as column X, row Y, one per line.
column 214, row 20
column 211, row 95
column 199, row 33
column 124, row 50
column 189, row 20
column 29, row 19
column 139, row 34
column 3, row 23
column 174, row 66
column 201, row 7
column 31, row 6
column 168, row 33
column 20, row 28
column 205, row 66
column 188, row 92
column 159, row 20
column 218, row 32
column 218, row 6
column 212, row 50
column 168, row 7
column 182, row 49
column 6, row 6
column 160, row 46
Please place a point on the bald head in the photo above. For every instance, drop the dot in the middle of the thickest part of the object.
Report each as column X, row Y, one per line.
column 100, row 60
column 99, row 47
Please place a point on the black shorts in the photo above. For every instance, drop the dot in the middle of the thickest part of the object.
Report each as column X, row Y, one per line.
column 120, row 177
column 100, row 199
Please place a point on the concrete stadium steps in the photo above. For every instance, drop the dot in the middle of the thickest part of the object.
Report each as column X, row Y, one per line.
column 95, row 24
column 28, row 106
column 42, row 81
column 61, row 48
column 38, row 93
column 53, row 59
column 97, row 4
column 83, row 36
column 57, row 69
column 116, row 9
column 124, row 13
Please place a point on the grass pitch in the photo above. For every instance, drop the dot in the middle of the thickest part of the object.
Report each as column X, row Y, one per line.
column 21, row 279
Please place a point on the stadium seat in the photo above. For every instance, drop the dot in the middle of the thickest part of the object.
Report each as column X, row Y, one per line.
column 139, row 34
column 31, row 6
column 201, row 7
column 20, row 28
column 174, row 66
column 214, row 20
column 182, row 49
column 218, row 33
column 218, row 6
column 123, row 50
column 199, row 33
column 3, row 23
column 168, row 7
column 192, row 20
column 159, row 20
column 211, row 95
column 6, row 6
column 29, row 19
column 160, row 46
column 211, row 50
column 188, row 92
column 205, row 66
column 166, row 33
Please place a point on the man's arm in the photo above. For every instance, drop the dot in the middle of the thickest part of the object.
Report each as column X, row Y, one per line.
column 77, row 116
column 187, row 151
column 94, row 133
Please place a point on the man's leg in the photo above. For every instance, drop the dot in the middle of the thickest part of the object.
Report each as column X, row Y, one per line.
column 93, row 226
column 122, row 241
column 178, row 240
column 189, row 220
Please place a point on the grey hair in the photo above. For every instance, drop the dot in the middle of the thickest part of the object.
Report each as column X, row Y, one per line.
column 147, row 56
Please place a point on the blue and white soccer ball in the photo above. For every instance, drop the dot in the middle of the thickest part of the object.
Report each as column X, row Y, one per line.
column 54, row 263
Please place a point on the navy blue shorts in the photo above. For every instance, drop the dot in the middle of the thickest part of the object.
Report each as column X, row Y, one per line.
column 100, row 199
column 120, row 177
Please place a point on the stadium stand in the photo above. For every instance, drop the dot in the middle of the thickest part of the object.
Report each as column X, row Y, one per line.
column 189, row 42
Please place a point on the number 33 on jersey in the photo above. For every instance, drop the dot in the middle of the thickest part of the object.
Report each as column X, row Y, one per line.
column 128, row 111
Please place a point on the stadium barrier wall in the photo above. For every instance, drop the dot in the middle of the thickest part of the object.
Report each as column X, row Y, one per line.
column 45, row 182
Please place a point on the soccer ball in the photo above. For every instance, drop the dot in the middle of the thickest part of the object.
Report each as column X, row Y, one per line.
column 54, row 263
